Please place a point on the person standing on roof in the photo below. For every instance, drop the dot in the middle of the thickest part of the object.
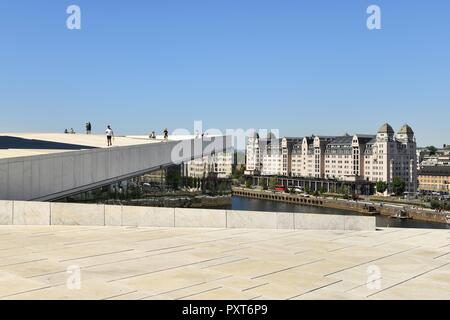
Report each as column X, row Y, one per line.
column 109, row 135
column 88, row 128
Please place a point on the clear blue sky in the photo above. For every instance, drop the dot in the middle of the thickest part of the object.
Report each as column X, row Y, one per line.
column 304, row 67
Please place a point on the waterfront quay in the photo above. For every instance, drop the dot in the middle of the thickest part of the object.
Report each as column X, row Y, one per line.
column 361, row 207
column 217, row 263
column 316, row 184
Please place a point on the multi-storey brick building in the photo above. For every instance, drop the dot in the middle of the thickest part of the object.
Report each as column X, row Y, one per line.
column 253, row 161
column 392, row 155
column 276, row 156
column 269, row 156
column 434, row 179
column 352, row 158
column 220, row 164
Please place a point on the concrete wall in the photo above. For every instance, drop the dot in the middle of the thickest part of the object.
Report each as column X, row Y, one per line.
column 200, row 218
column 6, row 212
column 77, row 214
column 44, row 213
column 46, row 177
column 31, row 213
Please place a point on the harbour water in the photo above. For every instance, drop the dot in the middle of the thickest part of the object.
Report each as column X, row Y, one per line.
column 249, row 204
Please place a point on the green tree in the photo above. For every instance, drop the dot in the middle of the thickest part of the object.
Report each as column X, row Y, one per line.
column 263, row 183
column 432, row 150
column 221, row 187
column 343, row 190
column 196, row 182
column 248, row 183
column 273, row 182
column 238, row 172
column 381, row 186
column 447, row 206
column 190, row 182
column 435, row 204
column 322, row 190
column 398, row 186
column 173, row 179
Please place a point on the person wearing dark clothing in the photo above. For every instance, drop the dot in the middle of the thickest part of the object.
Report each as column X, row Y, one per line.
column 88, row 128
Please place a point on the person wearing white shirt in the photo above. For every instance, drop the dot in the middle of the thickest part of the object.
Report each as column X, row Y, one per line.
column 109, row 135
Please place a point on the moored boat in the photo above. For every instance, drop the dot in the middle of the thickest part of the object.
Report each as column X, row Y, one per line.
column 401, row 214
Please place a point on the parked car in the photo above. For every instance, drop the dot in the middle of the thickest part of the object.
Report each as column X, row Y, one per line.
column 297, row 189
